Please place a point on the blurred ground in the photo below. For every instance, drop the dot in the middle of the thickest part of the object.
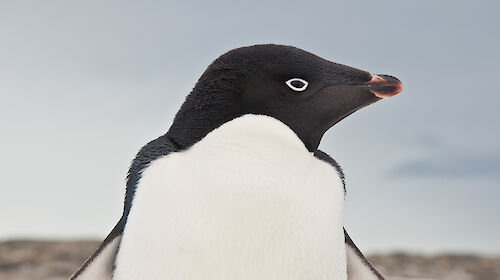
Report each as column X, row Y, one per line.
column 54, row 260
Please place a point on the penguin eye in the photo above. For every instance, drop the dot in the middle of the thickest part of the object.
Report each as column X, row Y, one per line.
column 297, row 84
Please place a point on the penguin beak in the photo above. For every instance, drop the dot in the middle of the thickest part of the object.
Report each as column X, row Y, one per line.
column 383, row 86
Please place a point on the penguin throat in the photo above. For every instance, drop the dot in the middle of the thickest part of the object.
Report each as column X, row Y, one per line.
column 186, row 132
column 255, row 135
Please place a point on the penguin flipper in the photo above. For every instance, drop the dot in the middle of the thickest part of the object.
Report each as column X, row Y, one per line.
column 100, row 265
column 358, row 267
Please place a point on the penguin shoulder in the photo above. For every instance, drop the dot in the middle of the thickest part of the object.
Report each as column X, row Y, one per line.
column 328, row 159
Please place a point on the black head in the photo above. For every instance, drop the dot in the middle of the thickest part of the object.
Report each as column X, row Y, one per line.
column 302, row 90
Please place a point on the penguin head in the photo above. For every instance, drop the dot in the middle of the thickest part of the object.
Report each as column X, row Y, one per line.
column 307, row 93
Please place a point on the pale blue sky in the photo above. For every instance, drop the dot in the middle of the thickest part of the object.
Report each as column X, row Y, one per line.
column 84, row 84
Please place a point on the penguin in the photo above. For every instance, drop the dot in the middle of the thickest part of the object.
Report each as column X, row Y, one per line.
column 237, row 188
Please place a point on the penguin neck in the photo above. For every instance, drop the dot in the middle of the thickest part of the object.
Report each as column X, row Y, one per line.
column 192, row 128
column 198, row 117
column 257, row 136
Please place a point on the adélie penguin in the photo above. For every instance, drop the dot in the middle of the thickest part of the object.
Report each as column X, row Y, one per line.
column 237, row 188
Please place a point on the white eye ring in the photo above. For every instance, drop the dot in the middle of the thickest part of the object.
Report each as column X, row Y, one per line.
column 289, row 84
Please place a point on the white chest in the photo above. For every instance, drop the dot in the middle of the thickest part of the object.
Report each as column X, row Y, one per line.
column 247, row 202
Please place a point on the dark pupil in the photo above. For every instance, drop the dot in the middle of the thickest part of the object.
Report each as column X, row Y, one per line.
column 297, row 84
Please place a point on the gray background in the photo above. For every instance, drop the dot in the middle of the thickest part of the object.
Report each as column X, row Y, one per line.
column 84, row 84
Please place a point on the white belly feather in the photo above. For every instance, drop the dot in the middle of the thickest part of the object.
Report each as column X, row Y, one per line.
column 246, row 202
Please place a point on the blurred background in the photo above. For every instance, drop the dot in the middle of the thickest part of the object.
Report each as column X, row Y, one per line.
column 84, row 84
